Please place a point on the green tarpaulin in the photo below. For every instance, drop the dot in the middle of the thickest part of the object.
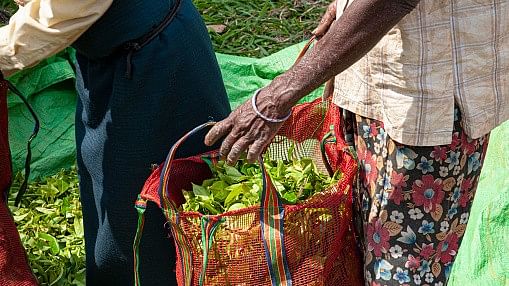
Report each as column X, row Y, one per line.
column 484, row 255
column 483, row 258
column 50, row 90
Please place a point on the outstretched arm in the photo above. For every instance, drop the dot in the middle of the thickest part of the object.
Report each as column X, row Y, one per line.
column 349, row 38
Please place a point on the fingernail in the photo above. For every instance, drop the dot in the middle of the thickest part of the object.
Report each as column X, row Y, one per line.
column 207, row 140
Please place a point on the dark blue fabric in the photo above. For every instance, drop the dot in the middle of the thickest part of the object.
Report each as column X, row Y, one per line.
column 125, row 20
column 123, row 126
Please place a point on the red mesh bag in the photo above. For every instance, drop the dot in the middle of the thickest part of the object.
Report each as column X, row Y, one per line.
column 311, row 243
column 14, row 269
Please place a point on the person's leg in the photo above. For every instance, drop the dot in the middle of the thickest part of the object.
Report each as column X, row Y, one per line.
column 415, row 203
column 126, row 125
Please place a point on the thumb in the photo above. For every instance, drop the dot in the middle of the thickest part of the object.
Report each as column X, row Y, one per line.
column 326, row 21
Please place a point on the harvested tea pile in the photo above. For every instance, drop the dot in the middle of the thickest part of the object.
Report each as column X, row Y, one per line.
column 240, row 186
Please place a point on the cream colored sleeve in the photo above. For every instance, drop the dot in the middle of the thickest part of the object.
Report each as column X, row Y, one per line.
column 42, row 28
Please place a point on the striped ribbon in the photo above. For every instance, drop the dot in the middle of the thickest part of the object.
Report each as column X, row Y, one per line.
column 272, row 226
column 208, row 229
column 183, row 248
column 141, row 206
column 171, row 212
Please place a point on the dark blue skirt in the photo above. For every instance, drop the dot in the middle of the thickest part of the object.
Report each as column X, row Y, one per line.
column 123, row 126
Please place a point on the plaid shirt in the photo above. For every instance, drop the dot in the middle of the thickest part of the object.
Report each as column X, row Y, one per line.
column 443, row 53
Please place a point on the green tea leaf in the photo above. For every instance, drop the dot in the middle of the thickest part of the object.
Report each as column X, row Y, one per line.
column 207, row 183
column 208, row 205
column 19, row 218
column 50, row 225
column 200, row 191
column 52, row 242
column 235, row 191
column 236, row 206
column 291, row 197
column 45, row 210
column 219, row 190
column 232, row 171
column 78, row 227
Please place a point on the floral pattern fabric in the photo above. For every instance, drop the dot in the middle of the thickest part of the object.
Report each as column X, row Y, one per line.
column 412, row 203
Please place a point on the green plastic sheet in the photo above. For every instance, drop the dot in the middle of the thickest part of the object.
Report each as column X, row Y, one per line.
column 484, row 255
column 49, row 88
column 483, row 258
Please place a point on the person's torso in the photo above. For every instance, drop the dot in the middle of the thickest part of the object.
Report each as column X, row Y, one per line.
column 124, row 21
column 443, row 53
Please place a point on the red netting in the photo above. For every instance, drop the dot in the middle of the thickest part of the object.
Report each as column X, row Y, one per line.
column 14, row 269
column 318, row 239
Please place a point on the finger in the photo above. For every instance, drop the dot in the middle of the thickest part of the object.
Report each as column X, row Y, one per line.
column 227, row 145
column 255, row 150
column 237, row 149
column 219, row 130
column 326, row 21
column 324, row 25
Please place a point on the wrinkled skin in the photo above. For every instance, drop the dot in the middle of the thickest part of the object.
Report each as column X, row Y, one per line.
column 344, row 41
column 246, row 130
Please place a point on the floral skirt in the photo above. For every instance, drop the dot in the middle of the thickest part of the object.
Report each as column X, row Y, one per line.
column 412, row 203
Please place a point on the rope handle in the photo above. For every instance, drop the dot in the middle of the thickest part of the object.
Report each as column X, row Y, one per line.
column 167, row 167
column 329, row 85
column 327, row 94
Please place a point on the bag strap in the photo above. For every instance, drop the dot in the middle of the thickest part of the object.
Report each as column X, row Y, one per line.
column 24, row 185
column 141, row 206
column 271, row 215
column 329, row 85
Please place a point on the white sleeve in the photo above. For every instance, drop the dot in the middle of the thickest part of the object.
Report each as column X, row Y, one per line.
column 44, row 27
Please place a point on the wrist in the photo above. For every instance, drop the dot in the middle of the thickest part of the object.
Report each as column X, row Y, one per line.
column 279, row 97
column 270, row 119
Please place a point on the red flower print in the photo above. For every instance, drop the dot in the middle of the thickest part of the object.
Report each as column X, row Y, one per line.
column 464, row 199
column 469, row 145
column 378, row 238
column 428, row 192
column 369, row 171
column 398, row 180
column 413, row 262
column 373, row 129
column 373, row 283
column 439, row 153
column 447, row 248
column 466, row 184
column 427, row 251
column 455, row 141
column 396, row 196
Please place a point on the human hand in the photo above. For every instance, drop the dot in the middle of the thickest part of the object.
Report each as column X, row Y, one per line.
column 327, row 19
column 244, row 129
column 21, row 2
